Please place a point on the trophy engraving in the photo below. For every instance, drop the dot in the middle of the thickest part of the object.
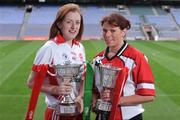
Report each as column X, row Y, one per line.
column 69, row 73
column 107, row 81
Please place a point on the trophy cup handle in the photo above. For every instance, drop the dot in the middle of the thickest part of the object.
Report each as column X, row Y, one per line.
column 51, row 74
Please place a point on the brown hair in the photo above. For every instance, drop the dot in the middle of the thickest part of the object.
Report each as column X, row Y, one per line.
column 63, row 10
column 117, row 20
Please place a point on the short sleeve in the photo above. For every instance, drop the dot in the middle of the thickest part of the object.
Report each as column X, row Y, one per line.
column 43, row 56
column 143, row 76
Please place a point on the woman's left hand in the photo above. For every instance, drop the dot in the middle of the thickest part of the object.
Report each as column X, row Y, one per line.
column 80, row 104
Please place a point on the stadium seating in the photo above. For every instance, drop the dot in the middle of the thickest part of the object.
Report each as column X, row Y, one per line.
column 165, row 26
column 11, row 19
column 39, row 22
column 176, row 12
column 13, row 24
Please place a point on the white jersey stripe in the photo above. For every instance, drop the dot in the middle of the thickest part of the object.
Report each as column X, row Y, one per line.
column 145, row 86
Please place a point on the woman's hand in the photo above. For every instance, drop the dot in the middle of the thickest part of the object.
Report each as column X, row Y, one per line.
column 106, row 95
column 80, row 104
column 64, row 89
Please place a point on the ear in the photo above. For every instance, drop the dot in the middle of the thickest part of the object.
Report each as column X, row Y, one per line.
column 124, row 32
column 59, row 25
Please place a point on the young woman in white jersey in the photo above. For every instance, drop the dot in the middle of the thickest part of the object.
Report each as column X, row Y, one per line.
column 63, row 47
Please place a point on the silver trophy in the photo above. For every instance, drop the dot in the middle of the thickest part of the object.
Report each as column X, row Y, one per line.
column 71, row 73
column 107, row 80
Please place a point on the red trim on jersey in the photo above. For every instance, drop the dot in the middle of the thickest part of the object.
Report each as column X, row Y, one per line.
column 75, row 42
column 58, row 39
column 38, row 81
column 36, row 68
column 100, row 54
column 146, row 92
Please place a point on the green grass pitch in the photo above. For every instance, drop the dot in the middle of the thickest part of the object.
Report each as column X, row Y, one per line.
column 16, row 58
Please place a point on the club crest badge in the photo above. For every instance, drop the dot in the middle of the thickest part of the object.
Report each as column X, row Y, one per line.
column 66, row 58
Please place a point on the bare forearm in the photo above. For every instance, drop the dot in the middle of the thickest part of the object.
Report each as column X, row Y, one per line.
column 134, row 100
column 46, row 87
column 81, row 90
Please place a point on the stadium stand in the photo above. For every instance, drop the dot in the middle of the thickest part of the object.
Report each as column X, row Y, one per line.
column 136, row 32
column 176, row 12
column 165, row 26
column 39, row 23
column 148, row 22
column 11, row 19
column 92, row 29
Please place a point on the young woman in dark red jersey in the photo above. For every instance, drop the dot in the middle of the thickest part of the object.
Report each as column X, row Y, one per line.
column 139, row 86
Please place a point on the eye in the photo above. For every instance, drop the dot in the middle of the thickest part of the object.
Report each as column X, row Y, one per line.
column 78, row 22
column 112, row 31
column 104, row 31
column 68, row 22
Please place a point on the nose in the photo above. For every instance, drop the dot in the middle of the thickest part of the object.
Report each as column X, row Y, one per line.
column 73, row 25
column 108, row 33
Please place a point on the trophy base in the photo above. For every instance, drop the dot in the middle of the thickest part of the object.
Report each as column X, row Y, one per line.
column 103, row 106
column 67, row 109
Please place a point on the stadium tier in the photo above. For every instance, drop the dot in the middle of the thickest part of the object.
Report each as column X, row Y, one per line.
column 11, row 19
column 148, row 22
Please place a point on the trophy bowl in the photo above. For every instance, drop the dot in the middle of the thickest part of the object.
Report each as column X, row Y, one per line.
column 108, row 76
column 63, row 73
column 70, row 70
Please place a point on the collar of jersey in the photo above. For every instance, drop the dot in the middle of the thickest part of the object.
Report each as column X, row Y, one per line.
column 120, row 51
column 59, row 39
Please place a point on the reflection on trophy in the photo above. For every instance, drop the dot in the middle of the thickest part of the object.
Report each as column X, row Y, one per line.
column 64, row 73
column 107, row 81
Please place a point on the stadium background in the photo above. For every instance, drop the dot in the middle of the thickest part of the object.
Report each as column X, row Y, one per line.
column 155, row 31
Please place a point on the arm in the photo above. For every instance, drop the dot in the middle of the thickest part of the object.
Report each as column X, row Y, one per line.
column 79, row 99
column 81, row 90
column 143, row 77
column 135, row 99
column 95, row 95
column 64, row 88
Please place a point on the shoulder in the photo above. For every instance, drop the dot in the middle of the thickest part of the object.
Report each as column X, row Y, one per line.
column 100, row 54
column 132, row 52
column 80, row 45
column 46, row 49
column 48, row 45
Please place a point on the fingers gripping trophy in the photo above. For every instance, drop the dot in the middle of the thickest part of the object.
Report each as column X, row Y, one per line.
column 105, row 82
column 68, row 73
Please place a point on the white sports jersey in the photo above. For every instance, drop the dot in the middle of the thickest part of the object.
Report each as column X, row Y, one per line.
column 57, row 51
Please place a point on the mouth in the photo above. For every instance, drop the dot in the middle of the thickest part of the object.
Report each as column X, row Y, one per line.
column 108, row 40
column 72, row 31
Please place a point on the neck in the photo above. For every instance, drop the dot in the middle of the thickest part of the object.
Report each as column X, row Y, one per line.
column 116, row 48
column 69, row 42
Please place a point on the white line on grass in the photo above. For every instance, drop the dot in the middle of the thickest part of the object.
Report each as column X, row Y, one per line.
column 20, row 61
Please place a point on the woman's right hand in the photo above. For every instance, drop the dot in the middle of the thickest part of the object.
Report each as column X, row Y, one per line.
column 106, row 95
column 63, row 89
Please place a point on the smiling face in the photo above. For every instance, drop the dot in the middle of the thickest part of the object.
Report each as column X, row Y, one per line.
column 70, row 25
column 113, row 35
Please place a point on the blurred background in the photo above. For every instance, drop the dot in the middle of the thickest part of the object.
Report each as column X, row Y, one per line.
column 150, row 19
column 24, row 28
